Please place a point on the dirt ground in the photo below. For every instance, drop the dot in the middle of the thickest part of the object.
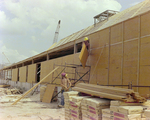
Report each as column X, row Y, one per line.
column 29, row 108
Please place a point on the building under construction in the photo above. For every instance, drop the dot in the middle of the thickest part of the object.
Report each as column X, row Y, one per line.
column 119, row 54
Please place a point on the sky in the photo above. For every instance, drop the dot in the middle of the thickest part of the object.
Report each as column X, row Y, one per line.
column 27, row 27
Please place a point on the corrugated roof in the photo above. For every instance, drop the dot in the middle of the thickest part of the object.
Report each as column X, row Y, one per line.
column 117, row 18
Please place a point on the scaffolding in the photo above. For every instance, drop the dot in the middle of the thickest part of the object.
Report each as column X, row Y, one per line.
column 78, row 75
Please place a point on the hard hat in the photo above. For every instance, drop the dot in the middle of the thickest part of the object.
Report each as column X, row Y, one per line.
column 66, row 75
column 86, row 38
column 63, row 74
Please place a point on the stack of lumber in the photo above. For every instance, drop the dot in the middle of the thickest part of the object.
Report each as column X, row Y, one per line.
column 126, row 95
column 107, row 114
column 67, row 97
column 92, row 108
column 4, row 86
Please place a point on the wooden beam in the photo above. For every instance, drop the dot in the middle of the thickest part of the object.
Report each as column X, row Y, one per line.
column 109, row 55
column 139, row 47
column 34, row 87
column 122, row 57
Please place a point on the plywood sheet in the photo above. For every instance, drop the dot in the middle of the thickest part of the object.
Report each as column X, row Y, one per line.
column 116, row 33
column 58, row 61
column 144, row 52
column 32, row 73
column 46, row 67
column 100, row 38
column 23, row 74
column 144, row 80
column 83, row 55
column 48, row 93
column 115, row 64
column 145, row 26
column 131, row 28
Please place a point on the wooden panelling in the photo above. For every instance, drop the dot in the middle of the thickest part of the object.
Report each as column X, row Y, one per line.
column 131, row 29
column 23, row 74
column 46, row 67
column 15, row 74
column 145, row 26
column 144, row 52
column 116, row 33
column 99, row 66
column 58, row 61
column 32, row 74
column 115, row 64
column 144, row 80
column 99, row 39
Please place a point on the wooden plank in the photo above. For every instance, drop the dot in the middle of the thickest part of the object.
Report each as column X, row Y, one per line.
column 23, row 74
column 32, row 74
column 4, row 86
column 15, row 74
column 48, row 93
column 34, row 86
column 83, row 55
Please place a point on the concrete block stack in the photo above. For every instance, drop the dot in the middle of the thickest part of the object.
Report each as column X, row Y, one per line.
column 123, row 112
column 75, row 107
column 147, row 115
column 67, row 98
column 107, row 114
column 92, row 108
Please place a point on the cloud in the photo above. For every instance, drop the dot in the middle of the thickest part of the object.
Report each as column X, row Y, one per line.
column 28, row 26
column 12, row 55
column 132, row 4
column 33, row 52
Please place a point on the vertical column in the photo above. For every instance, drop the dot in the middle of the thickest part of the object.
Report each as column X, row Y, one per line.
column 122, row 59
column 47, row 56
column 139, row 47
column 75, row 48
column 109, row 55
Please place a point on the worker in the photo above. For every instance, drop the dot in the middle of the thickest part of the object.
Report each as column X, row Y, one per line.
column 66, row 84
column 87, row 44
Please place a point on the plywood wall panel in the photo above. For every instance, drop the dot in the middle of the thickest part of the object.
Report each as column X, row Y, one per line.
column 116, row 33
column 144, row 52
column 15, row 74
column 31, row 73
column 99, row 66
column 58, row 61
column 145, row 26
column 144, row 80
column 115, row 64
column 46, row 68
column 131, row 53
column 99, row 39
column 23, row 74
column 131, row 28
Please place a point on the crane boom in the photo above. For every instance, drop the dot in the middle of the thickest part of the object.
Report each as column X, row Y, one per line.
column 57, row 32
column 6, row 57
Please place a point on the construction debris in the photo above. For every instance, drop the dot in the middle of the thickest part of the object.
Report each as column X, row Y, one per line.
column 10, row 91
column 126, row 95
